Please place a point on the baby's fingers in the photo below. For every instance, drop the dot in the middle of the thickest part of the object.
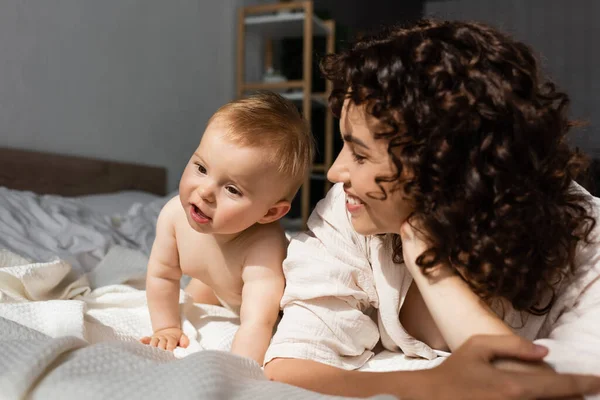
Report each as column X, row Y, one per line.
column 162, row 343
column 145, row 340
column 184, row 341
column 171, row 343
column 154, row 341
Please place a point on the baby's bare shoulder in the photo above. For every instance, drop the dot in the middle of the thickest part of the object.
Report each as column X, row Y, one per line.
column 272, row 234
column 171, row 209
column 168, row 215
column 172, row 217
column 174, row 212
column 266, row 241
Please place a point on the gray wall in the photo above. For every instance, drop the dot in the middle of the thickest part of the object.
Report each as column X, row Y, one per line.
column 127, row 80
column 364, row 16
column 565, row 33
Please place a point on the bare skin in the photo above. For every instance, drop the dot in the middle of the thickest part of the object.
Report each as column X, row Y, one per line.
column 221, row 230
column 236, row 270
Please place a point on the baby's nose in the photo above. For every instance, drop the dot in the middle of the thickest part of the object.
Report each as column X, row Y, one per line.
column 207, row 192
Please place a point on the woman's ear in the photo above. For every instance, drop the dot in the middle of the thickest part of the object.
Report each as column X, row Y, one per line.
column 277, row 211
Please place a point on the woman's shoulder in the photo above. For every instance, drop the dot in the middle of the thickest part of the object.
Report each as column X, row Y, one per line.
column 592, row 206
column 587, row 254
column 578, row 188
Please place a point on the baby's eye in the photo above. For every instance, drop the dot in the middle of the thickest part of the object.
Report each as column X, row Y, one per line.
column 201, row 168
column 233, row 190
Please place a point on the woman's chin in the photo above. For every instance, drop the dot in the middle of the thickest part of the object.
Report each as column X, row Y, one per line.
column 364, row 226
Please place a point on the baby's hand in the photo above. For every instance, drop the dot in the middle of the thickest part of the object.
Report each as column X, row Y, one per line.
column 167, row 339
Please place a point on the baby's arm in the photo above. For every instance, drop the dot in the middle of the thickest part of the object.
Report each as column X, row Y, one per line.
column 162, row 283
column 261, row 295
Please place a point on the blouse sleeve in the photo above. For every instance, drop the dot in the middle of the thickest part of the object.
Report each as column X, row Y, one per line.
column 329, row 287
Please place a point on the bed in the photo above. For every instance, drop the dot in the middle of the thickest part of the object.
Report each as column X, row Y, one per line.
column 75, row 176
column 76, row 208
column 75, row 234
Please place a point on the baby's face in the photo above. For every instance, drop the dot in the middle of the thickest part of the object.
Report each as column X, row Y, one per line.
column 226, row 188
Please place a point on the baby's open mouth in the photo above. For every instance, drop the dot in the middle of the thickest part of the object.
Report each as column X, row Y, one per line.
column 199, row 212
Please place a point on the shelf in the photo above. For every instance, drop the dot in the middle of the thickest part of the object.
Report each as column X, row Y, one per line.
column 318, row 168
column 291, row 19
column 284, row 24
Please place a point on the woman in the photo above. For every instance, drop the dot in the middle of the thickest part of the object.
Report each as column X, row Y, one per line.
column 456, row 215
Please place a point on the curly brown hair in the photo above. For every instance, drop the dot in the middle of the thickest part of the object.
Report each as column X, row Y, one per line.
column 483, row 138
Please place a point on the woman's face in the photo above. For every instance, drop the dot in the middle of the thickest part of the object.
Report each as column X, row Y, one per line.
column 363, row 159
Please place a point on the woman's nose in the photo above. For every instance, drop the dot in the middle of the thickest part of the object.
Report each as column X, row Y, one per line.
column 339, row 171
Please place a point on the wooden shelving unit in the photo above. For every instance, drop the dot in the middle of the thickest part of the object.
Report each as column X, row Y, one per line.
column 284, row 20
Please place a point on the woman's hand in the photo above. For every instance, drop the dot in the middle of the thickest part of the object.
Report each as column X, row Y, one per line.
column 470, row 373
column 413, row 245
column 455, row 309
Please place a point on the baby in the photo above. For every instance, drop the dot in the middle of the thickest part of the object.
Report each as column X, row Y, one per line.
column 222, row 230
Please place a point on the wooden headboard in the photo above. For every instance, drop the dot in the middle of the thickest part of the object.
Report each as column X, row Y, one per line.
column 63, row 175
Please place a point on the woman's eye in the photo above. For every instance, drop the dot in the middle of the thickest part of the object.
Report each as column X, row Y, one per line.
column 201, row 168
column 358, row 158
column 233, row 190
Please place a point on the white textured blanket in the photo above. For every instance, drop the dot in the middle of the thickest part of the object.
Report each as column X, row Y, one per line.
column 67, row 338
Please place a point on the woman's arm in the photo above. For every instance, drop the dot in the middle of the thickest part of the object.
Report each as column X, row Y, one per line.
column 457, row 311
column 330, row 380
column 574, row 338
column 573, row 331
column 468, row 373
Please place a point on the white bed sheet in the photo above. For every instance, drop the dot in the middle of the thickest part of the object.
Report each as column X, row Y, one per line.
column 71, row 339
column 80, row 231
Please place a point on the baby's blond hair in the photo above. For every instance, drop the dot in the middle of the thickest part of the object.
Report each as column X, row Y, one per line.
column 268, row 121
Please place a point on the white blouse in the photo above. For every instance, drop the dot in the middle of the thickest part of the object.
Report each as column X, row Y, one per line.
column 343, row 294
